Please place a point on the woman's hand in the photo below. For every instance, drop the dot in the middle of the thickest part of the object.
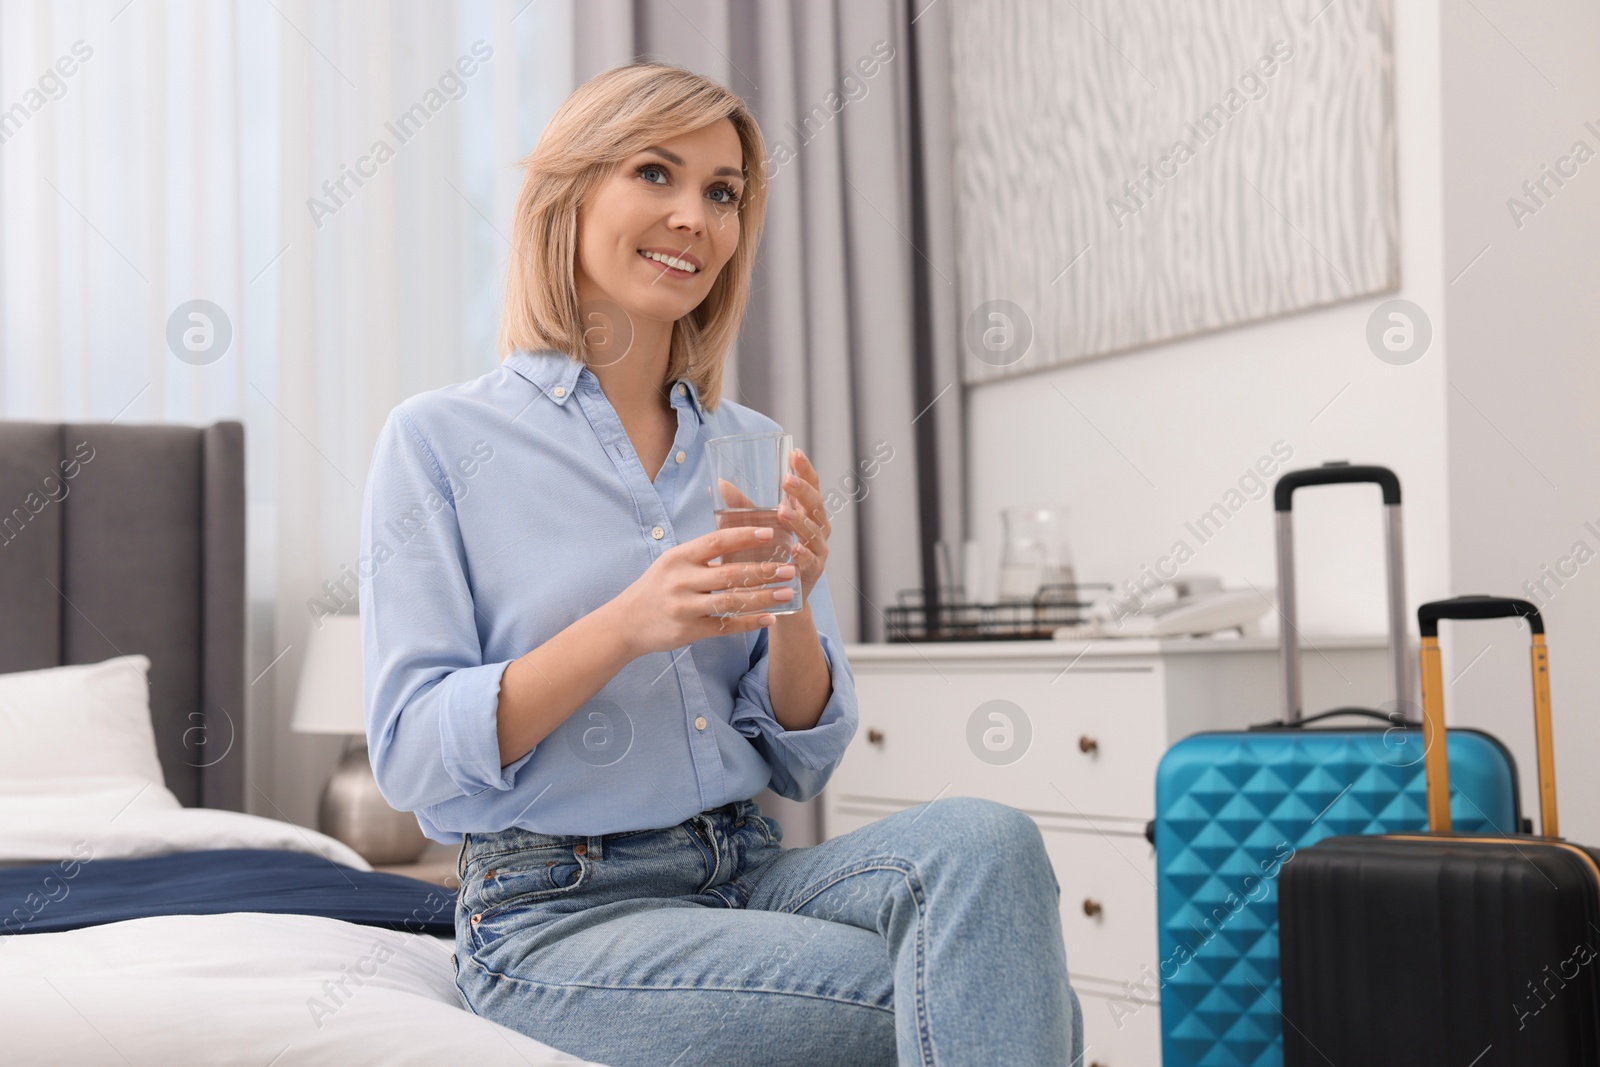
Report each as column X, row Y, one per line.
column 806, row 514
column 671, row 604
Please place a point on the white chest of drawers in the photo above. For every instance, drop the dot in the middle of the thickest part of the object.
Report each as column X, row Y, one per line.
column 1071, row 733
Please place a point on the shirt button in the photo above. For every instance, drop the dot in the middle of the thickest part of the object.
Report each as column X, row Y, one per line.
column 657, row 532
column 700, row 722
column 560, row 390
column 680, row 388
column 679, row 457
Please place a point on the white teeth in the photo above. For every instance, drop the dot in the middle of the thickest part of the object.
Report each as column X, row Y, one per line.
column 671, row 261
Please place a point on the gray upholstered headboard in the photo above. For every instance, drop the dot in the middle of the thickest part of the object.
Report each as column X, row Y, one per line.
column 119, row 539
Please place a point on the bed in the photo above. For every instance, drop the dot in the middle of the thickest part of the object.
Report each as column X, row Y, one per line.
column 145, row 917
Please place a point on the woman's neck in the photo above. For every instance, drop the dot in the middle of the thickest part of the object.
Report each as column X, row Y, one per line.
column 633, row 370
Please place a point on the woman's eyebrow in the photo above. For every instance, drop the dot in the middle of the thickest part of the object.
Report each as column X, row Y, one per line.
column 673, row 158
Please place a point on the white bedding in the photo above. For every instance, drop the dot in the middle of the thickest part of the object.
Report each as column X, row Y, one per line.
column 243, row 988
column 105, row 817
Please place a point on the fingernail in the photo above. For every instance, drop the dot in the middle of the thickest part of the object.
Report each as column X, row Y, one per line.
column 783, row 594
column 768, row 620
column 786, row 571
column 763, row 533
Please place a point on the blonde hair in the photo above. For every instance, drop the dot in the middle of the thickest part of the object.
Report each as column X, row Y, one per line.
column 607, row 119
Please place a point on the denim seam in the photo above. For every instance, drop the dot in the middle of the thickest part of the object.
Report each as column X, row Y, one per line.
column 700, row 987
column 707, row 838
column 497, row 854
column 579, row 839
column 918, row 897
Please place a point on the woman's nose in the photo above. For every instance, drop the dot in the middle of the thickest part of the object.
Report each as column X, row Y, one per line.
column 689, row 217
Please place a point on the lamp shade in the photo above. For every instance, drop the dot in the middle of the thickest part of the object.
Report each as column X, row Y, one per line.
column 329, row 700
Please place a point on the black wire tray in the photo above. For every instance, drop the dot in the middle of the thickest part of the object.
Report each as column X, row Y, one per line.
column 1055, row 604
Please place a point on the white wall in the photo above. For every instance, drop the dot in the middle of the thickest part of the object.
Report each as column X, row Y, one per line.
column 1493, row 431
column 1522, row 383
column 1152, row 438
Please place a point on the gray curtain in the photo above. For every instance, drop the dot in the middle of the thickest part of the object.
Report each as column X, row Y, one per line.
column 850, row 340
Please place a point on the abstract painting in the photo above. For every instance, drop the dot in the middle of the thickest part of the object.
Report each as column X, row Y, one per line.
column 1130, row 173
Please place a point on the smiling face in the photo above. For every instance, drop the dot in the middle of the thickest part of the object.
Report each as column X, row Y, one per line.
column 676, row 199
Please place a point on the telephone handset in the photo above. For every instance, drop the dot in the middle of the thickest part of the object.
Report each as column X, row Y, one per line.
column 1199, row 606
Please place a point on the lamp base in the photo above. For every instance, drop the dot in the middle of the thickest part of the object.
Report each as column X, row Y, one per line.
column 354, row 811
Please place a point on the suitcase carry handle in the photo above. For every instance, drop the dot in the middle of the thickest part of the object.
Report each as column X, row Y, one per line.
column 1334, row 472
column 1393, row 718
column 1436, row 759
column 1476, row 606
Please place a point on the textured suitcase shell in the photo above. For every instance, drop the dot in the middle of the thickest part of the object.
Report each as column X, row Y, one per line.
column 1232, row 808
column 1442, row 951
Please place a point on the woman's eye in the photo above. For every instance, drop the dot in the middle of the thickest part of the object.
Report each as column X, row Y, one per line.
column 729, row 200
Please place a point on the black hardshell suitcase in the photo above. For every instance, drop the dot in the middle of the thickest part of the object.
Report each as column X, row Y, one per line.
column 1455, row 950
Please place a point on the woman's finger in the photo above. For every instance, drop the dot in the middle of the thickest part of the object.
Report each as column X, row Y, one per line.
column 738, row 575
column 742, row 600
column 733, row 496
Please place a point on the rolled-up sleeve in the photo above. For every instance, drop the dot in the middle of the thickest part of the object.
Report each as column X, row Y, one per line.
column 802, row 761
column 430, row 701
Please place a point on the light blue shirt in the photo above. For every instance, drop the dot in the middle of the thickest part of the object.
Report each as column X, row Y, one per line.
column 501, row 510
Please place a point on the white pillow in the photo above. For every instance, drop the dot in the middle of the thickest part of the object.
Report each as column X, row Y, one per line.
column 85, row 719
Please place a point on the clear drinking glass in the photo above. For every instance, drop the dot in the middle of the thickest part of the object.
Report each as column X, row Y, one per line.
column 1034, row 552
column 747, row 471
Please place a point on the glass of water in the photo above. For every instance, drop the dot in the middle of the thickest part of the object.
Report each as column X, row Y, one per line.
column 747, row 472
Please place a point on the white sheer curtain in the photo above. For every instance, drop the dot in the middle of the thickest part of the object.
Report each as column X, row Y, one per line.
column 184, row 157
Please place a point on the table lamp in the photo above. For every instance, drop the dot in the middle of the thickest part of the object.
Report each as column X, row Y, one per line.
column 329, row 701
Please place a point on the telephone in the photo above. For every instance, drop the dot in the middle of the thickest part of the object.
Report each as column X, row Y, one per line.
column 1196, row 606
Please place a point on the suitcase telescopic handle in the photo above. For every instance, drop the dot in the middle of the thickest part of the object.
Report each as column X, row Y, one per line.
column 1436, row 760
column 1336, row 472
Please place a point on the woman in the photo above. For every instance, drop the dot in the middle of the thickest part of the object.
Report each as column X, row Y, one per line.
column 553, row 678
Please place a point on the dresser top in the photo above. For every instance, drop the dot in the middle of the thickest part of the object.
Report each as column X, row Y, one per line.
column 1105, row 647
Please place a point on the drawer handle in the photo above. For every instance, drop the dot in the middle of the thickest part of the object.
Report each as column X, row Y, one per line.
column 1092, row 908
column 1088, row 745
column 874, row 736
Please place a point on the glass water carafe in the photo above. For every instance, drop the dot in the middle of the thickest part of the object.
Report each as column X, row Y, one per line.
column 1034, row 552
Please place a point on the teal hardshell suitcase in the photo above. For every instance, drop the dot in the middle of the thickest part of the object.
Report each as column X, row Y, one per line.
column 1233, row 808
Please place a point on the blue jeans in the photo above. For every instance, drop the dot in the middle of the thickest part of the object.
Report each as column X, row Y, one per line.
column 931, row 936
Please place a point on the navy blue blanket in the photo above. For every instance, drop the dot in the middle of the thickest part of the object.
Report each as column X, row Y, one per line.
column 71, row 894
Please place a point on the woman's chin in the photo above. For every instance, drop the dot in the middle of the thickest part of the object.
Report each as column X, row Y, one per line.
column 654, row 306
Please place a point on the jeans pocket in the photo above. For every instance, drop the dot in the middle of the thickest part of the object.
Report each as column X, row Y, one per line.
column 520, row 880
column 769, row 830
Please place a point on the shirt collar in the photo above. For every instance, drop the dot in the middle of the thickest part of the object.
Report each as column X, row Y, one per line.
column 556, row 374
